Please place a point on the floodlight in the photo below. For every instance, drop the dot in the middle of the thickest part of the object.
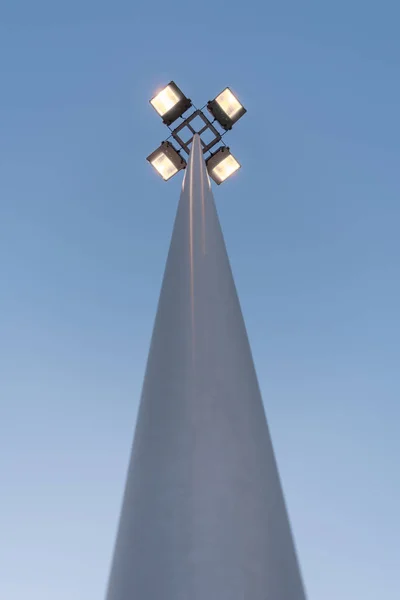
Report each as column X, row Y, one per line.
column 170, row 103
column 222, row 165
column 226, row 109
column 166, row 160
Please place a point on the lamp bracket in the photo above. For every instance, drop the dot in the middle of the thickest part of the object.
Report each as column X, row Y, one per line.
column 208, row 126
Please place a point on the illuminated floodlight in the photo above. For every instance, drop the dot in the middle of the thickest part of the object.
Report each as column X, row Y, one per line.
column 166, row 160
column 222, row 165
column 226, row 109
column 170, row 103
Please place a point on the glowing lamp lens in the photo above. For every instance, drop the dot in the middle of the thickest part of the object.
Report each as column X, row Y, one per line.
column 165, row 100
column 229, row 103
column 225, row 168
column 164, row 166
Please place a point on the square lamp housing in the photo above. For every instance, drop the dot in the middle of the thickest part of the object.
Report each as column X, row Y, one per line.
column 170, row 103
column 166, row 160
column 226, row 109
column 222, row 165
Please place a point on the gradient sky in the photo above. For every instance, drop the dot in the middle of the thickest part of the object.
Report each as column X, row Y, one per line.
column 312, row 228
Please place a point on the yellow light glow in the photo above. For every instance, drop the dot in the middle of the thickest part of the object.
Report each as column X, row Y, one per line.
column 225, row 168
column 229, row 103
column 165, row 100
column 164, row 166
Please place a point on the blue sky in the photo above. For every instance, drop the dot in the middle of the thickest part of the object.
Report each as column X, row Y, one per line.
column 312, row 228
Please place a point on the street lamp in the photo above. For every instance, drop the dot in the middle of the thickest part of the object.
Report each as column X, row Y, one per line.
column 222, row 165
column 166, row 160
column 171, row 104
column 226, row 109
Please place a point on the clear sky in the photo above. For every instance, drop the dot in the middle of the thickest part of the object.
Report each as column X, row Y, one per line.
column 312, row 228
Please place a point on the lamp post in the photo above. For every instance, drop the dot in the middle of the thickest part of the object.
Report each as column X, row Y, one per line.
column 203, row 515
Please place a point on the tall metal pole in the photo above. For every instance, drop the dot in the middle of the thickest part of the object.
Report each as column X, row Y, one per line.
column 203, row 515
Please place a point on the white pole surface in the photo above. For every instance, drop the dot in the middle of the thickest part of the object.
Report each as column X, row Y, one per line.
column 203, row 515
